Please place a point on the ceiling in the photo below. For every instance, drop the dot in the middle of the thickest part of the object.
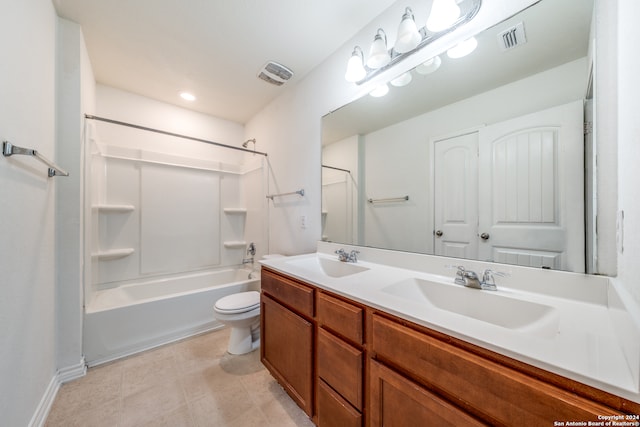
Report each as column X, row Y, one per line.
column 212, row 48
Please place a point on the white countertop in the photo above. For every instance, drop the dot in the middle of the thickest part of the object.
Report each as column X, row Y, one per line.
column 584, row 343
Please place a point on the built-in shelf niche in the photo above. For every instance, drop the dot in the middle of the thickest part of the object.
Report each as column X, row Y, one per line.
column 240, row 214
column 113, row 254
column 106, row 208
column 235, row 244
column 235, row 211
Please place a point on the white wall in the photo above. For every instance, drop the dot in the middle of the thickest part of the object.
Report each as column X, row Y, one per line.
column 290, row 126
column 27, row 206
column 76, row 93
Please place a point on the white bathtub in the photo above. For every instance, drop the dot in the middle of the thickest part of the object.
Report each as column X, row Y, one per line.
column 142, row 315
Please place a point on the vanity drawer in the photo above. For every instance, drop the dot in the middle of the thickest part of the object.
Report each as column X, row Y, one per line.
column 341, row 366
column 291, row 293
column 340, row 317
column 497, row 393
column 333, row 410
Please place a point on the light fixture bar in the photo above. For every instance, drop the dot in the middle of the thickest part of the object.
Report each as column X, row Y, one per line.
column 468, row 10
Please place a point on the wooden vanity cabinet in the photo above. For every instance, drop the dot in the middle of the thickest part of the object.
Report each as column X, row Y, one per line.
column 480, row 387
column 347, row 365
column 340, row 362
column 287, row 336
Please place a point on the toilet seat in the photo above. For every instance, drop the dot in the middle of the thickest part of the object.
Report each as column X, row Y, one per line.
column 238, row 303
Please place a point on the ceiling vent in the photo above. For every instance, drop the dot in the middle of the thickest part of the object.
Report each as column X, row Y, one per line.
column 274, row 73
column 512, row 37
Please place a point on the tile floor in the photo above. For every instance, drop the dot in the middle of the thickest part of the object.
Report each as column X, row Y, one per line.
column 194, row 382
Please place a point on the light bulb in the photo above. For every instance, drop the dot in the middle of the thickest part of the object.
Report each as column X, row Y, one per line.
column 402, row 80
column 187, row 96
column 408, row 35
column 429, row 66
column 444, row 13
column 463, row 48
column 355, row 67
column 379, row 91
column 378, row 54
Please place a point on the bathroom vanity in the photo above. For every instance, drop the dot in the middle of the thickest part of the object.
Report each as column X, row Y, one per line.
column 347, row 344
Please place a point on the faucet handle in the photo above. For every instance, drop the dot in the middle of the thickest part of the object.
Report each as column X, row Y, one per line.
column 488, row 281
column 251, row 249
column 489, row 273
column 459, row 273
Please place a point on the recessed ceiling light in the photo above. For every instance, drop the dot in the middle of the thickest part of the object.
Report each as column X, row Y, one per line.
column 187, row 96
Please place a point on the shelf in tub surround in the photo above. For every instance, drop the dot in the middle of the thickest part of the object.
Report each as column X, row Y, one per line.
column 113, row 254
column 114, row 208
column 235, row 211
column 235, row 244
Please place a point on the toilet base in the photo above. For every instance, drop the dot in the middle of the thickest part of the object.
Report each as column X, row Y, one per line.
column 243, row 340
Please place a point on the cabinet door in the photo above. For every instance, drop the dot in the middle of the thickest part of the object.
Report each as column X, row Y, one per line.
column 397, row 401
column 287, row 351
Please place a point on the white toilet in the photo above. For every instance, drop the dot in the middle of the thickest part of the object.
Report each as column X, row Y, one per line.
column 241, row 312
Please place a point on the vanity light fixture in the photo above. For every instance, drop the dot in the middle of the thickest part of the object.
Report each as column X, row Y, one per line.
column 380, row 90
column 355, row 66
column 463, row 48
column 444, row 13
column 429, row 66
column 379, row 54
column 453, row 14
column 402, row 80
column 408, row 35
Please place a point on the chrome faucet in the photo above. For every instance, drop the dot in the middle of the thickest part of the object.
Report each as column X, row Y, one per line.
column 347, row 257
column 251, row 250
column 470, row 279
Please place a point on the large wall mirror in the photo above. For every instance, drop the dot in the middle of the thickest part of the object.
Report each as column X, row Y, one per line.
column 483, row 158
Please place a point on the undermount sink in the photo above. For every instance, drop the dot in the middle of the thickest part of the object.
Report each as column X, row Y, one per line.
column 328, row 267
column 486, row 306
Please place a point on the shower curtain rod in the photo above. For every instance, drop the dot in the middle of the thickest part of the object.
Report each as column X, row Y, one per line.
column 163, row 132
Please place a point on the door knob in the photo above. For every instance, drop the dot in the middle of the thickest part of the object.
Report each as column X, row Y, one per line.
column 484, row 236
column 438, row 233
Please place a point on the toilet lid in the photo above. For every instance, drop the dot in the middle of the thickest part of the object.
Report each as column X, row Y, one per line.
column 238, row 303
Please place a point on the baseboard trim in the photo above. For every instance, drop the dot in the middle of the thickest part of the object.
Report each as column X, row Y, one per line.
column 62, row 376
column 71, row 373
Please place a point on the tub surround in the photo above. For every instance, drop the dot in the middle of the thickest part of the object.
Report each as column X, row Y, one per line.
column 585, row 330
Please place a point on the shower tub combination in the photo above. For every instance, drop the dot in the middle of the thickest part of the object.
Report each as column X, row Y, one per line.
column 168, row 223
column 148, row 313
